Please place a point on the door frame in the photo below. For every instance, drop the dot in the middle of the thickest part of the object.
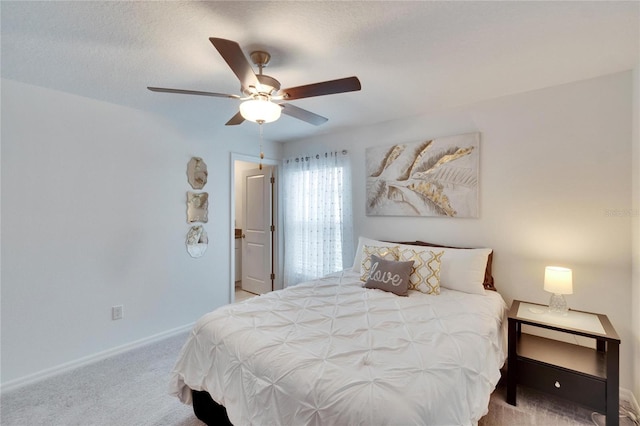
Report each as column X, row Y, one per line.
column 277, row 236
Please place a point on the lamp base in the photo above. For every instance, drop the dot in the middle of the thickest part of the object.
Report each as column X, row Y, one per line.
column 558, row 305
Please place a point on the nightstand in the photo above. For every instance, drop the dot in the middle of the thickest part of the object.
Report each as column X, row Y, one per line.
column 589, row 377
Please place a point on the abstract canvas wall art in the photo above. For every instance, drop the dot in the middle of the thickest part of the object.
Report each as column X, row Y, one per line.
column 437, row 177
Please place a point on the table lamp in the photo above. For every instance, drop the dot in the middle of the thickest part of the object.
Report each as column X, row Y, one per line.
column 558, row 281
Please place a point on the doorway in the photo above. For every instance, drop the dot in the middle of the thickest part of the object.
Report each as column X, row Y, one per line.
column 255, row 231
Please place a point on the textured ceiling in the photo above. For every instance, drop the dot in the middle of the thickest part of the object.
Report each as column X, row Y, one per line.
column 411, row 57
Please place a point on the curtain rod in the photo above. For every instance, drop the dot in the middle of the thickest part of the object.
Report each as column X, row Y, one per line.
column 317, row 156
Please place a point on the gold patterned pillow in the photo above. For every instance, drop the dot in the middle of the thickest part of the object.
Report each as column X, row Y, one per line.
column 425, row 276
column 386, row 253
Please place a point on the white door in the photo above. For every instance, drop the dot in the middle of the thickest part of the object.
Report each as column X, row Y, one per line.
column 257, row 236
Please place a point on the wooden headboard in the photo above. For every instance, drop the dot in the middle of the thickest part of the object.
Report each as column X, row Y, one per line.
column 488, row 278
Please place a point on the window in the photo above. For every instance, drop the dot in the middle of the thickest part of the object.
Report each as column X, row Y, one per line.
column 318, row 234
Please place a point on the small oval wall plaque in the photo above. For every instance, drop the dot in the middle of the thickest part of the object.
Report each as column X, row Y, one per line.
column 197, row 173
column 197, row 241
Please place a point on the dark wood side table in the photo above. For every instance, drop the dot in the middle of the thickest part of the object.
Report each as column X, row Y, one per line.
column 590, row 377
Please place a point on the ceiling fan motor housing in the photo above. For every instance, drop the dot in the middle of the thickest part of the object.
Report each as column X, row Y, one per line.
column 268, row 86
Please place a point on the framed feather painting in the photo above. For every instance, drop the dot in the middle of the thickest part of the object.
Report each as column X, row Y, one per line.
column 437, row 177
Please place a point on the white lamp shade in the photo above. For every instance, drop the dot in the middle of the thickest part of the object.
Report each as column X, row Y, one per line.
column 558, row 280
column 260, row 111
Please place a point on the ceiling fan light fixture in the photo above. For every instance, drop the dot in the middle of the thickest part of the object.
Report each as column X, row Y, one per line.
column 260, row 110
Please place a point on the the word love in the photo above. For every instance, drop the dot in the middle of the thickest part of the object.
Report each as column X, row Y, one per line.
column 384, row 277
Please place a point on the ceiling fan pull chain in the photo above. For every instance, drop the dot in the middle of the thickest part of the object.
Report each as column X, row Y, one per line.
column 261, row 153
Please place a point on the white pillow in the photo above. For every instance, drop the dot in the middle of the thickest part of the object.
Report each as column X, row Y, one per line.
column 463, row 269
column 362, row 241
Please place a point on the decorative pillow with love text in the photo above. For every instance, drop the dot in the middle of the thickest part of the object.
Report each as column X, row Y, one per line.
column 389, row 275
column 387, row 253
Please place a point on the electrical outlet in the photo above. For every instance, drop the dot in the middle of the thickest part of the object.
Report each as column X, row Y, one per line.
column 116, row 312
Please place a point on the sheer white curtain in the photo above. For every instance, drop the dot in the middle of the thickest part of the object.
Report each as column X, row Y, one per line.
column 318, row 225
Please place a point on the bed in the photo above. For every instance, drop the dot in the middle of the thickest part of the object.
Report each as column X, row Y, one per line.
column 337, row 351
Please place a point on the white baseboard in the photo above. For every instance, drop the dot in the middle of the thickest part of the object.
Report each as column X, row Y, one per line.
column 627, row 395
column 62, row 368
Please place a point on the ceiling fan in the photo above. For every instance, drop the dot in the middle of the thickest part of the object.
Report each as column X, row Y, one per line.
column 263, row 100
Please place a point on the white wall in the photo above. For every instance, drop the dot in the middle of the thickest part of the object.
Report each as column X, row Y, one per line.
column 94, row 215
column 553, row 162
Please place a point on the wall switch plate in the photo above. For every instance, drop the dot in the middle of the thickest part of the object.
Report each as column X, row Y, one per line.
column 116, row 312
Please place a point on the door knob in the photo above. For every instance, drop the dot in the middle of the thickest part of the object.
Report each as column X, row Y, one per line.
column 243, row 235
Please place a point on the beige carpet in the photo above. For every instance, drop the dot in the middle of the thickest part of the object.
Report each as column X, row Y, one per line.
column 537, row 409
column 131, row 389
column 533, row 409
column 127, row 389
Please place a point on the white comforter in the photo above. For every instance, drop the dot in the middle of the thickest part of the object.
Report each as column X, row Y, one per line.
column 329, row 352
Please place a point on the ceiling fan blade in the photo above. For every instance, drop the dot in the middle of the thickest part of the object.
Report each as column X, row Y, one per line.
column 341, row 85
column 235, row 120
column 232, row 54
column 192, row 92
column 303, row 114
